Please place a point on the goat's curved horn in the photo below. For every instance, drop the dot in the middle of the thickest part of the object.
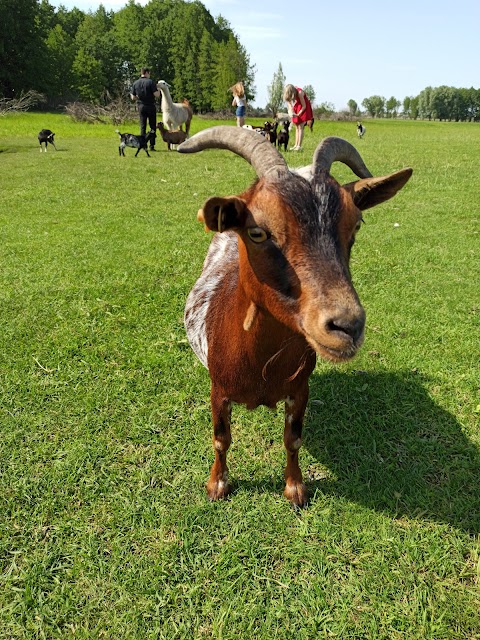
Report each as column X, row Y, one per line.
column 250, row 145
column 333, row 149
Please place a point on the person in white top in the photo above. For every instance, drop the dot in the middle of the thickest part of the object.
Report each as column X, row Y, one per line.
column 240, row 101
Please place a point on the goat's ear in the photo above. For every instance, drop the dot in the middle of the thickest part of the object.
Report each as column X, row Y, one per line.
column 220, row 214
column 369, row 192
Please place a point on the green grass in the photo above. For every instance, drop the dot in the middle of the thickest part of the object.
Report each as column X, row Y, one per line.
column 105, row 529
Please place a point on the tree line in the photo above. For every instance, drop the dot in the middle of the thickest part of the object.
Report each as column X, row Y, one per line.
column 70, row 55
column 432, row 103
column 94, row 57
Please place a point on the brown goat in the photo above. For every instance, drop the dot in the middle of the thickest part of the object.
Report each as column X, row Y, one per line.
column 276, row 287
column 171, row 137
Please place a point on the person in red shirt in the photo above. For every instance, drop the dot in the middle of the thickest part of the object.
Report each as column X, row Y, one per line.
column 301, row 109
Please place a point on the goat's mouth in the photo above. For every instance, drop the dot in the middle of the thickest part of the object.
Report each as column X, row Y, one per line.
column 335, row 354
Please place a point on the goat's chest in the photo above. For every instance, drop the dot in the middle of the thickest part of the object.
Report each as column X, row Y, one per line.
column 262, row 366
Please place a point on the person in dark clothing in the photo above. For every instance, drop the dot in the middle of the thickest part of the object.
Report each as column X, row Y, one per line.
column 145, row 91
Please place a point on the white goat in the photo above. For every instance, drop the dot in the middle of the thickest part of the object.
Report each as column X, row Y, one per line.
column 174, row 113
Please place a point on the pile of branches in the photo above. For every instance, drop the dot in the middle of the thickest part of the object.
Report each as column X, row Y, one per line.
column 116, row 111
column 24, row 102
column 223, row 114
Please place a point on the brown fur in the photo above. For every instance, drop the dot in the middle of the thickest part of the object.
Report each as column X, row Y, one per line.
column 171, row 137
column 282, row 300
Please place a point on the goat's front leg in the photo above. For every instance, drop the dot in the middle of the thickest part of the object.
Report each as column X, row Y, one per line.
column 295, row 490
column 218, row 486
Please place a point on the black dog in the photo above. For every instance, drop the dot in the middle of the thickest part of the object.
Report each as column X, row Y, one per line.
column 137, row 142
column 283, row 135
column 44, row 137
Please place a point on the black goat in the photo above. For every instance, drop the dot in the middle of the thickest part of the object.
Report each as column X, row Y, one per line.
column 44, row 137
column 284, row 135
column 137, row 142
column 271, row 131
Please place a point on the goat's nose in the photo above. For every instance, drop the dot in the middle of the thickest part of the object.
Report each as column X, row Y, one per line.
column 347, row 325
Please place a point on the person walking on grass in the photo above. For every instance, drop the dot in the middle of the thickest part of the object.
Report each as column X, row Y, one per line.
column 144, row 91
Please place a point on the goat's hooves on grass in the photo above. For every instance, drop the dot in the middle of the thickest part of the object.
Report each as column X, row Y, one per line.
column 296, row 493
column 218, row 490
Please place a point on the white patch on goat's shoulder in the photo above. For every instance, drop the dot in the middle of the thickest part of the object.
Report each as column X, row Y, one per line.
column 222, row 252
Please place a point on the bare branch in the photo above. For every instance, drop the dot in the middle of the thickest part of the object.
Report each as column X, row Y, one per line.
column 116, row 112
column 23, row 103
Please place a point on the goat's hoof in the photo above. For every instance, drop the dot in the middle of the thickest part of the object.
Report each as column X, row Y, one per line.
column 218, row 490
column 296, row 493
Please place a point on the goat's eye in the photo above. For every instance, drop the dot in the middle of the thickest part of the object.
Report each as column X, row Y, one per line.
column 258, row 235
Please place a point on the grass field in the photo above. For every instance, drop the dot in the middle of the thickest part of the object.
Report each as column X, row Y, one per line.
column 105, row 528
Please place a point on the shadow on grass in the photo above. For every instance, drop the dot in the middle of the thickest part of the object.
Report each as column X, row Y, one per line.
column 380, row 440
column 28, row 149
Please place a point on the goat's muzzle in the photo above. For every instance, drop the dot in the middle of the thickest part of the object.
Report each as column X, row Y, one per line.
column 336, row 335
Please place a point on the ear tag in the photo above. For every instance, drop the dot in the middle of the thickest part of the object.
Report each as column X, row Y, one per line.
column 221, row 220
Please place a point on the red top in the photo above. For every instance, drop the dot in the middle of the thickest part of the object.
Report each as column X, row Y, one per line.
column 307, row 114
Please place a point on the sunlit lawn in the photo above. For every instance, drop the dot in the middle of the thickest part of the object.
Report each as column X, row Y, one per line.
column 105, row 528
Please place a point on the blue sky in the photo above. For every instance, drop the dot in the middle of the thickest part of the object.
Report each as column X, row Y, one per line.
column 350, row 49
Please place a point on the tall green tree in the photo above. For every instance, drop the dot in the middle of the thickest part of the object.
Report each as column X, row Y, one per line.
column 375, row 106
column 414, row 108
column 128, row 22
column 391, row 107
column 425, row 108
column 206, row 70
column 185, row 51
column 89, row 76
column 233, row 65
column 472, row 103
column 310, row 92
column 61, row 55
column 98, row 64
column 69, row 20
column 275, row 91
column 441, row 103
column 22, row 49
column 352, row 107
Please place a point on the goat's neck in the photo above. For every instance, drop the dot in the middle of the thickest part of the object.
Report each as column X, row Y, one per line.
column 267, row 361
column 251, row 321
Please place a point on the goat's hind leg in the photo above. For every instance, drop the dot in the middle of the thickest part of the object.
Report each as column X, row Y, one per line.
column 295, row 489
column 218, row 486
